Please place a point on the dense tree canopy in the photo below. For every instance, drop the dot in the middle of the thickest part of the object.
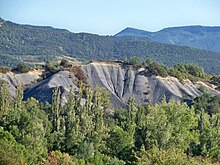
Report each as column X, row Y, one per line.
column 86, row 130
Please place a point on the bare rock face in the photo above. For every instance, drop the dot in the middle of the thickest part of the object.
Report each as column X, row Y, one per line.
column 120, row 80
column 124, row 83
column 15, row 79
column 43, row 90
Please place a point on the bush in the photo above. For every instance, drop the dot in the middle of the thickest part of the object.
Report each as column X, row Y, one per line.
column 190, row 71
column 195, row 70
column 64, row 62
column 52, row 67
column 56, row 157
column 4, row 69
column 215, row 80
column 211, row 104
column 22, row 68
column 158, row 69
column 176, row 73
column 135, row 61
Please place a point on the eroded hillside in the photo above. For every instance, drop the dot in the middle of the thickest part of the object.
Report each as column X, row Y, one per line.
column 121, row 80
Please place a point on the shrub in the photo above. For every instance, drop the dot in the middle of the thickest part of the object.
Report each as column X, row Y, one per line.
column 190, row 71
column 135, row 61
column 176, row 73
column 4, row 69
column 22, row 68
column 215, row 80
column 64, row 62
column 195, row 70
column 52, row 67
column 158, row 69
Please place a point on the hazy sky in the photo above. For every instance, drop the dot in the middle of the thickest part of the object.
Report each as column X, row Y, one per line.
column 111, row 16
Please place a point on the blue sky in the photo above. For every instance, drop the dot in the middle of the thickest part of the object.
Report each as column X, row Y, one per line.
column 109, row 17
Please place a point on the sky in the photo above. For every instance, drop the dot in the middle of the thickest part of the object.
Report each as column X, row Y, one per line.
column 108, row 17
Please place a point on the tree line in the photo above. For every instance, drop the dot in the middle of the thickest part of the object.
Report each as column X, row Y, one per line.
column 18, row 40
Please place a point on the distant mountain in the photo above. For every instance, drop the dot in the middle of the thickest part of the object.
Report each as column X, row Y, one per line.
column 202, row 37
column 133, row 32
column 21, row 40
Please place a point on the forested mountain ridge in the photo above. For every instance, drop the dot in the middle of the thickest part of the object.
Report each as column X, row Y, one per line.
column 21, row 40
column 202, row 37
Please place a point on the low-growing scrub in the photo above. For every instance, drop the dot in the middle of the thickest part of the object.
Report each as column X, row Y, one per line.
column 22, row 68
column 4, row 69
column 215, row 80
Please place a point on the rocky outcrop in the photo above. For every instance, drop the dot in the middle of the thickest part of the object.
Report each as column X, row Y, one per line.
column 122, row 82
column 43, row 90
column 14, row 79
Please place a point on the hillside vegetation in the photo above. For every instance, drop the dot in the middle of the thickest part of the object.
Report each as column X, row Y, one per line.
column 94, row 133
column 88, row 130
column 22, row 40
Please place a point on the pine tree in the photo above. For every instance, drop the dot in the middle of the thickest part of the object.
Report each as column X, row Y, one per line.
column 209, row 136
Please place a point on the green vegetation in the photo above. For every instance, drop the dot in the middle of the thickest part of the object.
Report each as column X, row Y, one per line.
column 180, row 71
column 22, row 68
column 24, row 40
column 184, row 70
column 86, row 130
column 215, row 80
column 135, row 61
column 9, row 60
column 11, row 152
column 157, row 68
column 52, row 67
column 4, row 69
column 210, row 104
column 187, row 71
column 64, row 62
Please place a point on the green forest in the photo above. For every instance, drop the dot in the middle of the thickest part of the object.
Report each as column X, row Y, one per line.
column 88, row 131
column 19, row 41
